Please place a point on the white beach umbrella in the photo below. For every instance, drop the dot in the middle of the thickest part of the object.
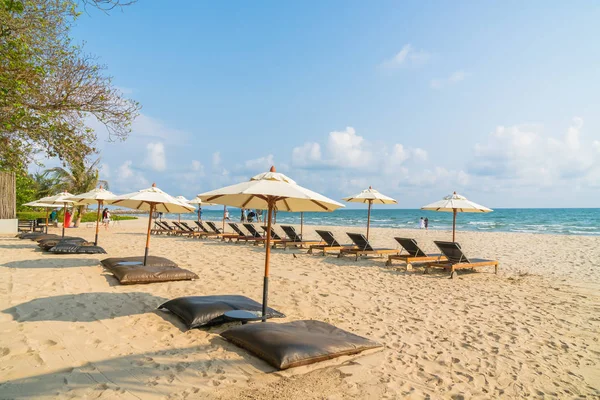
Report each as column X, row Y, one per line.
column 61, row 199
column 370, row 196
column 37, row 204
column 456, row 203
column 197, row 200
column 95, row 196
column 268, row 191
column 183, row 200
column 152, row 200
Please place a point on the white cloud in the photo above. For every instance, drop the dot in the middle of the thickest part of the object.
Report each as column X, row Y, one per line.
column 307, row 155
column 453, row 79
column 525, row 155
column 261, row 164
column 156, row 158
column 128, row 179
column 197, row 166
column 596, row 145
column 347, row 149
column 407, row 56
column 124, row 171
column 216, row 159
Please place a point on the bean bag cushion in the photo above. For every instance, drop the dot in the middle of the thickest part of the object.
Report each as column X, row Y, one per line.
column 296, row 343
column 29, row 235
column 196, row 311
column 42, row 237
column 110, row 263
column 75, row 248
column 47, row 244
column 134, row 274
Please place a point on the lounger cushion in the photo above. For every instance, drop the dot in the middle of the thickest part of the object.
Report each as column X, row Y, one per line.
column 30, row 235
column 196, row 311
column 110, row 263
column 75, row 248
column 47, row 244
column 45, row 236
column 137, row 274
column 296, row 343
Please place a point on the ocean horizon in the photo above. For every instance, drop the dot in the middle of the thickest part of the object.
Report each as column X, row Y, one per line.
column 563, row 221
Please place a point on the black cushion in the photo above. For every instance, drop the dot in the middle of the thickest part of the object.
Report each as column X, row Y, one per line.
column 136, row 274
column 45, row 236
column 30, row 235
column 196, row 311
column 297, row 343
column 47, row 244
column 110, row 263
column 75, row 248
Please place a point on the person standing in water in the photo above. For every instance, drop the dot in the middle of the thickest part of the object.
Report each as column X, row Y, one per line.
column 199, row 213
column 422, row 223
column 426, row 223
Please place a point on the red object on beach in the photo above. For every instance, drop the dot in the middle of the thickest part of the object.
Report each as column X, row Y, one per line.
column 67, row 219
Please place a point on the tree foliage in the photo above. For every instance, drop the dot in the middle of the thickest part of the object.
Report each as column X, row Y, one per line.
column 50, row 89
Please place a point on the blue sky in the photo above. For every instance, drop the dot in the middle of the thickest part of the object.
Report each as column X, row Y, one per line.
column 498, row 101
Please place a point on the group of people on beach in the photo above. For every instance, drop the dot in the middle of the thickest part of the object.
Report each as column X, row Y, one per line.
column 424, row 223
column 249, row 215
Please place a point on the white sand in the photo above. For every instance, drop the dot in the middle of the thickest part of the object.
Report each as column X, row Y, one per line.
column 69, row 330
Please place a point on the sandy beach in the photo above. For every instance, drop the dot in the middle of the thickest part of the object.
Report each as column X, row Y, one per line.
column 69, row 330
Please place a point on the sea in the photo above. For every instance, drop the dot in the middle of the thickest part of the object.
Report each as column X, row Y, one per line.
column 564, row 221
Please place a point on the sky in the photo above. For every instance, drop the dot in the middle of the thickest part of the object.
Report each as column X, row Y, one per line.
column 499, row 101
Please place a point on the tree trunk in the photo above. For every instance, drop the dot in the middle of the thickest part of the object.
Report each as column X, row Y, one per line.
column 79, row 215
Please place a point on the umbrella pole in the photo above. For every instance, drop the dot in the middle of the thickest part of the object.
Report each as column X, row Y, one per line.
column 369, row 218
column 267, row 259
column 97, row 221
column 301, row 224
column 148, row 233
column 64, row 219
column 224, row 209
column 454, row 225
column 46, row 220
column 178, row 217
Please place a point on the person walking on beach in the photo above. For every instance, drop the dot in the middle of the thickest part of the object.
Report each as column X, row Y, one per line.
column 422, row 223
column 227, row 215
column 243, row 216
column 259, row 215
column 426, row 223
column 106, row 218
column 199, row 213
column 251, row 216
column 53, row 215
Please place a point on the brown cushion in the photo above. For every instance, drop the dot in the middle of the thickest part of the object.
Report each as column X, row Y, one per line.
column 110, row 263
column 74, row 248
column 132, row 274
column 45, row 236
column 196, row 311
column 296, row 343
column 47, row 244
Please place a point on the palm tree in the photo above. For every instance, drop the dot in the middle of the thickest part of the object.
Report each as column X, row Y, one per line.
column 79, row 178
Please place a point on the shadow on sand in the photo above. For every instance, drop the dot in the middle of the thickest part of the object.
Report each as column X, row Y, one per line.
column 139, row 375
column 85, row 307
column 51, row 261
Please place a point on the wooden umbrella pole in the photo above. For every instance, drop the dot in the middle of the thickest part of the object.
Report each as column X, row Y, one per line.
column 267, row 259
column 148, row 233
column 301, row 224
column 454, row 225
column 64, row 219
column 97, row 221
column 46, row 220
column 369, row 219
column 224, row 209
column 178, row 217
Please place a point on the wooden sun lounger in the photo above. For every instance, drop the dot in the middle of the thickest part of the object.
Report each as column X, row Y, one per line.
column 158, row 229
column 413, row 255
column 331, row 244
column 456, row 259
column 275, row 238
column 188, row 230
column 205, row 232
column 364, row 248
column 258, row 238
column 295, row 239
column 243, row 236
column 223, row 235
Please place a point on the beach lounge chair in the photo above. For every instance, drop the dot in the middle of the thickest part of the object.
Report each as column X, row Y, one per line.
column 159, row 229
column 172, row 229
column 331, row 244
column 258, row 238
column 204, row 231
column 363, row 247
column 220, row 232
column 275, row 238
column 188, row 230
column 413, row 254
column 456, row 259
column 295, row 239
column 242, row 235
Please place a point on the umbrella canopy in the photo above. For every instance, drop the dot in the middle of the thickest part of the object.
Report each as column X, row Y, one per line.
column 370, row 196
column 94, row 196
column 43, row 205
column 61, row 199
column 152, row 200
column 456, row 203
column 270, row 190
column 182, row 200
